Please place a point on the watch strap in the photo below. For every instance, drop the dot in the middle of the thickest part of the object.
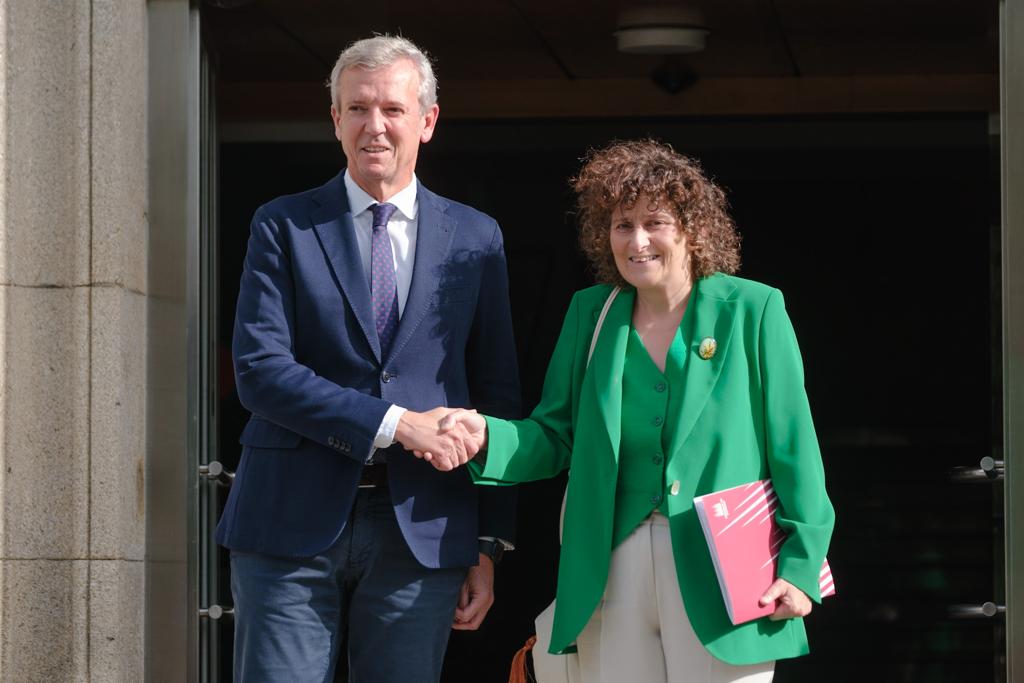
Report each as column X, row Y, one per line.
column 492, row 548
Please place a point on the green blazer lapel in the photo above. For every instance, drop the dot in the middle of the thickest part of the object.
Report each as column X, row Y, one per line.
column 607, row 364
column 713, row 311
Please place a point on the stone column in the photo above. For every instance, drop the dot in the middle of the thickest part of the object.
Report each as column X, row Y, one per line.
column 73, row 230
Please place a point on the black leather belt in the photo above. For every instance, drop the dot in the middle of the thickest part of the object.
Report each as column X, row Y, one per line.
column 374, row 476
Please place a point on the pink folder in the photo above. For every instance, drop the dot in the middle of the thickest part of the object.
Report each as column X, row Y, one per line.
column 744, row 540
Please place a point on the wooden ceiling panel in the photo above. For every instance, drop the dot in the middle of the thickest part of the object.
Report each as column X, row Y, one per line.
column 582, row 37
column 888, row 17
column 299, row 39
column 515, row 39
column 895, row 38
column 549, row 49
column 904, row 57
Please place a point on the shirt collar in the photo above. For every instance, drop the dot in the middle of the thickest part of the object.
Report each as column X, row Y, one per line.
column 359, row 201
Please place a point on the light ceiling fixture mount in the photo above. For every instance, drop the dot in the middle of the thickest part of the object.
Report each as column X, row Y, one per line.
column 661, row 30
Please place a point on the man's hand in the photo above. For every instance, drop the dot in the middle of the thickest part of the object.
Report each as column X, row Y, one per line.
column 473, row 424
column 792, row 602
column 420, row 433
column 476, row 596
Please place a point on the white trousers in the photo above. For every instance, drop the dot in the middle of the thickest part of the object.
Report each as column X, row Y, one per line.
column 640, row 632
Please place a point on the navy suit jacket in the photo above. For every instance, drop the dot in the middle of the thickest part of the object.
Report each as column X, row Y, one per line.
column 309, row 368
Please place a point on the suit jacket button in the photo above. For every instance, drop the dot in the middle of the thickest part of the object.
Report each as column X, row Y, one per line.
column 330, row 441
column 386, row 377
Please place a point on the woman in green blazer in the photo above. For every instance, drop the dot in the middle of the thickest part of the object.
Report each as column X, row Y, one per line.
column 695, row 385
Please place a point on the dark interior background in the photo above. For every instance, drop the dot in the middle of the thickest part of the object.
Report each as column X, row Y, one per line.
column 879, row 230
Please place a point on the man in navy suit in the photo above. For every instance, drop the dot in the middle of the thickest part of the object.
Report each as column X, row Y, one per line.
column 362, row 302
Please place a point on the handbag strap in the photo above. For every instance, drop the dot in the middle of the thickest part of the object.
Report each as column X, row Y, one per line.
column 518, row 673
column 600, row 321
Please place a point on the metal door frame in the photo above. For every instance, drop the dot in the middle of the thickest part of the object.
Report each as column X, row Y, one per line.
column 1011, row 70
column 173, row 342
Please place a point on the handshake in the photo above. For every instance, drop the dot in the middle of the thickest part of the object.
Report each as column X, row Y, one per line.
column 444, row 437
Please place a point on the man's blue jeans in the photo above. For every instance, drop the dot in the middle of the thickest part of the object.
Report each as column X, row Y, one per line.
column 293, row 614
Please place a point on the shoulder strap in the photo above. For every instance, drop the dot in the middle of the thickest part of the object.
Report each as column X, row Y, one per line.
column 600, row 321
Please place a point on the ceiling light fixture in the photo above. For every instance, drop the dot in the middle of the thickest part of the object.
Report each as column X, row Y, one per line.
column 665, row 30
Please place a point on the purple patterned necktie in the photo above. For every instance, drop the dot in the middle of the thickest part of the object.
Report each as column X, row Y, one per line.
column 383, row 289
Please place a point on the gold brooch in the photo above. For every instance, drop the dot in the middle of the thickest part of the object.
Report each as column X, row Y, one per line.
column 708, row 347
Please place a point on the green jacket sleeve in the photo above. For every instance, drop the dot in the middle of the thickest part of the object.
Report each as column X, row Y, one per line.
column 794, row 459
column 539, row 447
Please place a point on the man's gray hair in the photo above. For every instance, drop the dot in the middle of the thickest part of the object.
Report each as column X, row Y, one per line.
column 379, row 52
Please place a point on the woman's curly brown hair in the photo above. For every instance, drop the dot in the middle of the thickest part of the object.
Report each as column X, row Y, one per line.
column 623, row 171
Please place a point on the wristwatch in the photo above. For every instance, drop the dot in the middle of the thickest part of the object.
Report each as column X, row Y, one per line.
column 492, row 548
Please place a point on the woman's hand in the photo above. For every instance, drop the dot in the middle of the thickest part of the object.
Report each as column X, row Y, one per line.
column 474, row 424
column 790, row 600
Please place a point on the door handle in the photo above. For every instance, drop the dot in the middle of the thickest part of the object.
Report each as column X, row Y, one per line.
column 988, row 470
column 216, row 612
column 985, row 610
column 216, row 472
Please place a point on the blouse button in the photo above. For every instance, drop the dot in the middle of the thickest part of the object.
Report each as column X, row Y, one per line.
column 658, row 421
column 656, row 499
column 657, row 459
column 660, row 387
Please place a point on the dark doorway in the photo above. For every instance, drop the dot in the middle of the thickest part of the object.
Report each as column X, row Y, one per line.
column 879, row 230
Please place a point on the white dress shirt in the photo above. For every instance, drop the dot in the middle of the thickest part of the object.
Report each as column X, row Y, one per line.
column 402, row 229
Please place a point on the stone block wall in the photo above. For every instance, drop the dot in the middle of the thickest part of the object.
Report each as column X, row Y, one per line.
column 73, row 241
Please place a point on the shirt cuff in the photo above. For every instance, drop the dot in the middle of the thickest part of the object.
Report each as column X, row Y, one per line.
column 386, row 432
column 504, row 544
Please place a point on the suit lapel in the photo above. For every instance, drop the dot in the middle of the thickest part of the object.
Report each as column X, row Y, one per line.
column 333, row 224
column 608, row 361
column 713, row 315
column 434, row 234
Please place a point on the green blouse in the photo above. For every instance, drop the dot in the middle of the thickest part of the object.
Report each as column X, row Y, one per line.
column 650, row 404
